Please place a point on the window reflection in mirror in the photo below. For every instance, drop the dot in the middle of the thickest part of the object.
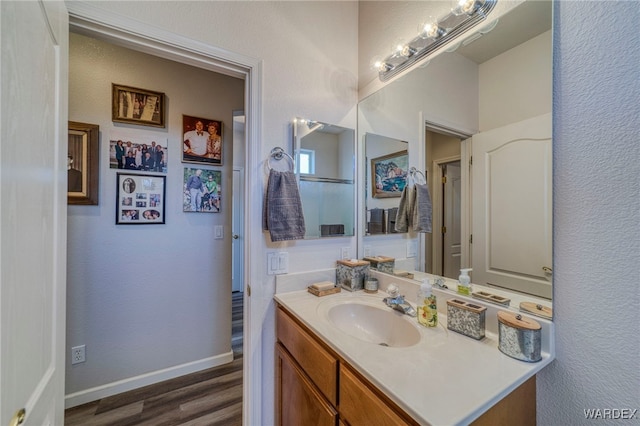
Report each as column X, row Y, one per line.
column 496, row 85
column 325, row 159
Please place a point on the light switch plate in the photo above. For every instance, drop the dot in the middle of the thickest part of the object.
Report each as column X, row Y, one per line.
column 412, row 248
column 218, row 232
column 277, row 263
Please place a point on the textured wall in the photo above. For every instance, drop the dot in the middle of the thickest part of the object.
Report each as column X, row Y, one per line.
column 596, row 211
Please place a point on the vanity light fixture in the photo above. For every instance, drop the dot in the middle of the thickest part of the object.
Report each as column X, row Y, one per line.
column 432, row 35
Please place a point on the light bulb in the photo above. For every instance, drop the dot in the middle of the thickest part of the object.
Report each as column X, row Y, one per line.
column 430, row 30
column 468, row 7
column 378, row 64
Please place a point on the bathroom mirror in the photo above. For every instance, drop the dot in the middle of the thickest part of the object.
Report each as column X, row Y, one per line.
column 325, row 161
column 486, row 86
column 386, row 166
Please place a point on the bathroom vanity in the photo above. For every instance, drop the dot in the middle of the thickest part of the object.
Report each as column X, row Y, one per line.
column 330, row 368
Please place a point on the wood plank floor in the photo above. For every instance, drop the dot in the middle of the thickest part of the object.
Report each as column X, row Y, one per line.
column 207, row 397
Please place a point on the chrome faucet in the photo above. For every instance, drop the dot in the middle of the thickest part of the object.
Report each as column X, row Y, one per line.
column 397, row 302
column 439, row 282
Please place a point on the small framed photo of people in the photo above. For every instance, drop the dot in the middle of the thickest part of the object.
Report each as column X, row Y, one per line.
column 202, row 140
column 141, row 153
column 137, row 106
column 202, row 190
column 82, row 164
column 140, row 199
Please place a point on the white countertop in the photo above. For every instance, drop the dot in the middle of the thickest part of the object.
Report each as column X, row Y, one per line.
column 445, row 379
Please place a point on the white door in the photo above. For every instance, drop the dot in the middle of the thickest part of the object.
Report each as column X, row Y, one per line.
column 33, row 210
column 237, row 224
column 451, row 219
column 511, row 199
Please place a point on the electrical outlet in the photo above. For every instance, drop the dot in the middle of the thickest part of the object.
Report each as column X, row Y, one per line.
column 367, row 251
column 78, row 354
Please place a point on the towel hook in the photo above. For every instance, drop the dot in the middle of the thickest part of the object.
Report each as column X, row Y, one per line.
column 413, row 171
column 278, row 153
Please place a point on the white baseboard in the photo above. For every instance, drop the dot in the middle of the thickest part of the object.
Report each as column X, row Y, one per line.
column 109, row 389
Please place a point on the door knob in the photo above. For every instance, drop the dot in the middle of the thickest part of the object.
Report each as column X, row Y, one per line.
column 547, row 270
column 18, row 417
column 236, row 236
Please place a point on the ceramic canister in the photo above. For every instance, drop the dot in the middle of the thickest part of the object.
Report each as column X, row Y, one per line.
column 519, row 337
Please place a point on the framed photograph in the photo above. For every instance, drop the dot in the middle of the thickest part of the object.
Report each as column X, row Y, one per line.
column 202, row 190
column 144, row 153
column 82, row 163
column 202, row 141
column 137, row 106
column 389, row 174
column 140, row 199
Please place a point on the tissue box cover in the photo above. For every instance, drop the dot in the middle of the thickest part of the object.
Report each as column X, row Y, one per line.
column 466, row 318
column 382, row 263
column 350, row 274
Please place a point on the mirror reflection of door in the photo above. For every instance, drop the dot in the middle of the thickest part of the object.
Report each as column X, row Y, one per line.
column 511, row 199
column 443, row 152
column 451, row 244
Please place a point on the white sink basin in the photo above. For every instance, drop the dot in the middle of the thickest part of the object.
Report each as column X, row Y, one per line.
column 368, row 323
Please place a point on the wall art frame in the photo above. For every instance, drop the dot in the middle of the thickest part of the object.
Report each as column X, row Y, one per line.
column 83, row 163
column 202, row 140
column 137, row 106
column 389, row 174
column 205, row 197
column 140, row 199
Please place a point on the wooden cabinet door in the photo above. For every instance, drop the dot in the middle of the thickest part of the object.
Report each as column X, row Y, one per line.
column 299, row 401
column 359, row 405
column 319, row 364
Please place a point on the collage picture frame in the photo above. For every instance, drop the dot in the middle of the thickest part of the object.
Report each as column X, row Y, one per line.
column 140, row 199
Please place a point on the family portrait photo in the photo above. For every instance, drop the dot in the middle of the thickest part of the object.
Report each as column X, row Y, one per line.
column 202, row 190
column 142, row 153
column 202, row 140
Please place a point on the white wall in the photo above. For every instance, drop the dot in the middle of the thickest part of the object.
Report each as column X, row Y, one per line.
column 524, row 72
column 307, row 71
column 138, row 296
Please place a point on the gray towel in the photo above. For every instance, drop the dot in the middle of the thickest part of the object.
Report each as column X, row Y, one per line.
column 422, row 209
column 404, row 218
column 282, row 209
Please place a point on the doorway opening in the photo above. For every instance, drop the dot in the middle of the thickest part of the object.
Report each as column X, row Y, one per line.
column 443, row 150
column 144, row 38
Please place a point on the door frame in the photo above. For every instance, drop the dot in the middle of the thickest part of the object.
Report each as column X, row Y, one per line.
column 89, row 20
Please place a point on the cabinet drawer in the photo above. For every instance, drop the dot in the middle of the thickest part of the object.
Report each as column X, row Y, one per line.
column 359, row 405
column 299, row 401
column 317, row 363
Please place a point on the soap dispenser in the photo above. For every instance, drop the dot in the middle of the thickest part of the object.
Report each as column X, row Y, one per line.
column 464, row 282
column 427, row 307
